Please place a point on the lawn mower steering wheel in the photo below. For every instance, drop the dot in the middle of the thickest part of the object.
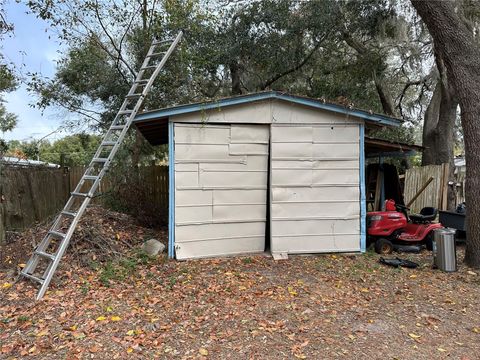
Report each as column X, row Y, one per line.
column 402, row 207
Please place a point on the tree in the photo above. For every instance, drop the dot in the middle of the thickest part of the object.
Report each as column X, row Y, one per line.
column 456, row 45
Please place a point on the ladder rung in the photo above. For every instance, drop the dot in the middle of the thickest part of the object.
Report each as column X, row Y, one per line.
column 133, row 96
column 100, row 160
column 57, row 234
column 125, row 112
column 149, row 67
column 90, row 177
column 109, row 143
column 45, row 255
column 142, row 81
column 79, row 194
column 68, row 214
column 159, row 42
column 117, row 127
column 32, row 277
column 157, row 54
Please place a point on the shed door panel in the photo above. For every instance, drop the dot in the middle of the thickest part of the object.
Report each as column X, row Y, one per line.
column 315, row 197
column 220, row 189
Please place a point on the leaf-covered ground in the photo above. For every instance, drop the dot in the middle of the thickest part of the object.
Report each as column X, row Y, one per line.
column 307, row 307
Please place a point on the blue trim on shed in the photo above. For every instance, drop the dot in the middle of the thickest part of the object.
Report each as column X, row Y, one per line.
column 363, row 200
column 318, row 104
column 171, row 190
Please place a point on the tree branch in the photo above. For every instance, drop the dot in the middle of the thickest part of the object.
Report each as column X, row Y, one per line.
column 278, row 76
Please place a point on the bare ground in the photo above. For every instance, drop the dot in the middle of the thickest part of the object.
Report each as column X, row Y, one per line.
column 307, row 307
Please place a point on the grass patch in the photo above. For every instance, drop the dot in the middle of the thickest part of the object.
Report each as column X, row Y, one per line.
column 120, row 269
column 247, row 260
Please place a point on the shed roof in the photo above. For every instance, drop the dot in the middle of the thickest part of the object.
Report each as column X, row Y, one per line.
column 153, row 123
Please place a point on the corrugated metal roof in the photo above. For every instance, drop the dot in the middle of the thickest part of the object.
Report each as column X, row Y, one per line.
column 243, row 99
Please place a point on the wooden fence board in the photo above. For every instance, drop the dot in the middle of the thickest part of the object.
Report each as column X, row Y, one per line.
column 155, row 178
column 32, row 194
column 436, row 192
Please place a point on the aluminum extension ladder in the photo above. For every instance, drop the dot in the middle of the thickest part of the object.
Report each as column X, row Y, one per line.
column 50, row 250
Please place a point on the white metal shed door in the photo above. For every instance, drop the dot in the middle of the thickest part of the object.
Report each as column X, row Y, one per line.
column 220, row 189
column 315, row 201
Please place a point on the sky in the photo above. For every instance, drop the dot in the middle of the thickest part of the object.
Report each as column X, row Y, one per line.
column 32, row 48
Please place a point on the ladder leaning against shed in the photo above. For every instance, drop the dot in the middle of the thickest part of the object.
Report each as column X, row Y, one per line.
column 50, row 250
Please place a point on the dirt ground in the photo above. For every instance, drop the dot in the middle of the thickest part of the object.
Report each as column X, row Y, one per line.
column 306, row 307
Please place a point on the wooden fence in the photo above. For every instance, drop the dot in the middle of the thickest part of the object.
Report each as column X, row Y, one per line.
column 154, row 178
column 435, row 194
column 31, row 194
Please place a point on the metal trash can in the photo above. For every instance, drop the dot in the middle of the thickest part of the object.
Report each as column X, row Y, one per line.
column 444, row 250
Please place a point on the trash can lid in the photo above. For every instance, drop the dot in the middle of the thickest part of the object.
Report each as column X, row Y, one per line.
column 445, row 231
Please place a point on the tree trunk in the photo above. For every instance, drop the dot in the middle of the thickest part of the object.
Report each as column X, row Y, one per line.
column 461, row 55
column 385, row 96
column 235, row 75
column 438, row 133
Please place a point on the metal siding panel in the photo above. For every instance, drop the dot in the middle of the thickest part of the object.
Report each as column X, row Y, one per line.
column 333, row 176
column 338, row 133
column 334, row 151
column 251, row 162
column 306, row 194
column 198, row 152
column 292, row 164
column 239, row 212
column 219, row 231
column 312, row 227
column 253, row 113
column 339, row 164
column 248, row 149
column 202, row 134
column 291, row 177
column 223, row 247
column 237, row 179
column 294, row 134
column 193, row 213
column 193, row 197
column 249, row 134
column 316, row 244
column 186, row 167
column 291, row 150
column 239, row 196
column 302, row 210
column 186, row 178
column 288, row 113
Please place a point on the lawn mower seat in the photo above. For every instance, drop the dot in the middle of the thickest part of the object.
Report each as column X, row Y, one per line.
column 426, row 214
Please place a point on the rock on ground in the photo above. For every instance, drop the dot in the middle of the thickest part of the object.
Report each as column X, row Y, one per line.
column 153, row 247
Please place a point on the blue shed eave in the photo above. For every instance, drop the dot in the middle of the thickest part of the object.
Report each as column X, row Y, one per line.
column 243, row 99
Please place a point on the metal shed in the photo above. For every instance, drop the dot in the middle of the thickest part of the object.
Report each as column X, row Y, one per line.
column 264, row 172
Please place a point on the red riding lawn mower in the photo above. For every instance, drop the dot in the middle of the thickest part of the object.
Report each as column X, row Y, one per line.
column 394, row 227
